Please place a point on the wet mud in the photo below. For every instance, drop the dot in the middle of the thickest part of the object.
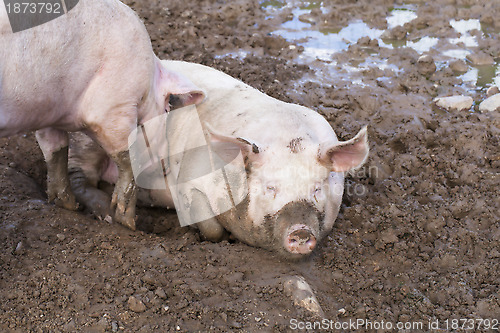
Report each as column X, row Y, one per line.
column 417, row 238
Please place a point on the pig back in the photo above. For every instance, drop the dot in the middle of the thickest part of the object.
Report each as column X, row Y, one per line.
column 237, row 109
column 49, row 68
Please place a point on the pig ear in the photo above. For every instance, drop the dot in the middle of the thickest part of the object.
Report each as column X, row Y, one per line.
column 346, row 155
column 174, row 90
column 228, row 147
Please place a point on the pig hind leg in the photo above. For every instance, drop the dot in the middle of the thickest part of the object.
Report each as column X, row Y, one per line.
column 93, row 199
column 54, row 145
column 86, row 160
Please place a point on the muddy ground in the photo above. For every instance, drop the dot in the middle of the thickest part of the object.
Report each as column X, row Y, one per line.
column 417, row 239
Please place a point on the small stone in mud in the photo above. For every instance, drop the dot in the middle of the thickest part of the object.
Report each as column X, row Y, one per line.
column 480, row 59
column 490, row 104
column 426, row 65
column 87, row 247
column 61, row 237
column 302, row 295
column 106, row 246
column 454, row 103
column 236, row 324
column 136, row 305
column 492, row 91
column 308, row 18
column 150, row 278
column 459, row 66
column 102, row 325
column 19, row 248
column 160, row 293
column 367, row 42
column 487, row 19
column 397, row 33
column 389, row 236
column 364, row 41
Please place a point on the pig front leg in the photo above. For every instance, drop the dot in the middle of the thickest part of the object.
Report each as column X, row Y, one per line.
column 210, row 228
column 124, row 196
column 110, row 128
column 54, row 145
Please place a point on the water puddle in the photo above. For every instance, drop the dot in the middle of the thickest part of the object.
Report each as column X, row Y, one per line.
column 319, row 42
column 480, row 77
column 322, row 44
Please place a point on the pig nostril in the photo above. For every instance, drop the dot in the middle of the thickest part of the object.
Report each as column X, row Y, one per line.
column 302, row 234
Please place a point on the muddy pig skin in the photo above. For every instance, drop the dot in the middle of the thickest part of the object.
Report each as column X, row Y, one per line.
column 293, row 160
column 91, row 70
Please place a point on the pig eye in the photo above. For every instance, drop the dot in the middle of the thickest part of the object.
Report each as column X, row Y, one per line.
column 271, row 190
column 316, row 192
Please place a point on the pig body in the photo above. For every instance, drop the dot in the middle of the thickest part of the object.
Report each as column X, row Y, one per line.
column 90, row 70
column 294, row 164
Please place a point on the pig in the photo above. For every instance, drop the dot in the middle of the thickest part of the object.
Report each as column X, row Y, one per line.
column 294, row 165
column 91, row 70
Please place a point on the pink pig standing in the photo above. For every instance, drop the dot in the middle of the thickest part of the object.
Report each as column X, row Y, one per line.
column 91, row 70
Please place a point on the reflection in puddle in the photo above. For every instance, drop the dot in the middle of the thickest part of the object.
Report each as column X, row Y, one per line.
column 464, row 27
column 321, row 44
column 239, row 54
column 471, row 76
column 400, row 16
column 457, row 53
column 424, row 44
column 483, row 76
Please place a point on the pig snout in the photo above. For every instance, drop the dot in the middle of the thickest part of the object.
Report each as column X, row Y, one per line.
column 300, row 240
column 296, row 229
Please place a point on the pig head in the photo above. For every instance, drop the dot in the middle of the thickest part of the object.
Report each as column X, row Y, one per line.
column 295, row 188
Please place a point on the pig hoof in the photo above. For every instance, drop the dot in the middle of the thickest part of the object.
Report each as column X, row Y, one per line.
column 123, row 204
column 124, row 215
column 126, row 221
column 126, row 218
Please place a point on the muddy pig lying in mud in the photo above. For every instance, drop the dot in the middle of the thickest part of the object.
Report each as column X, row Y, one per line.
column 293, row 165
column 92, row 70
